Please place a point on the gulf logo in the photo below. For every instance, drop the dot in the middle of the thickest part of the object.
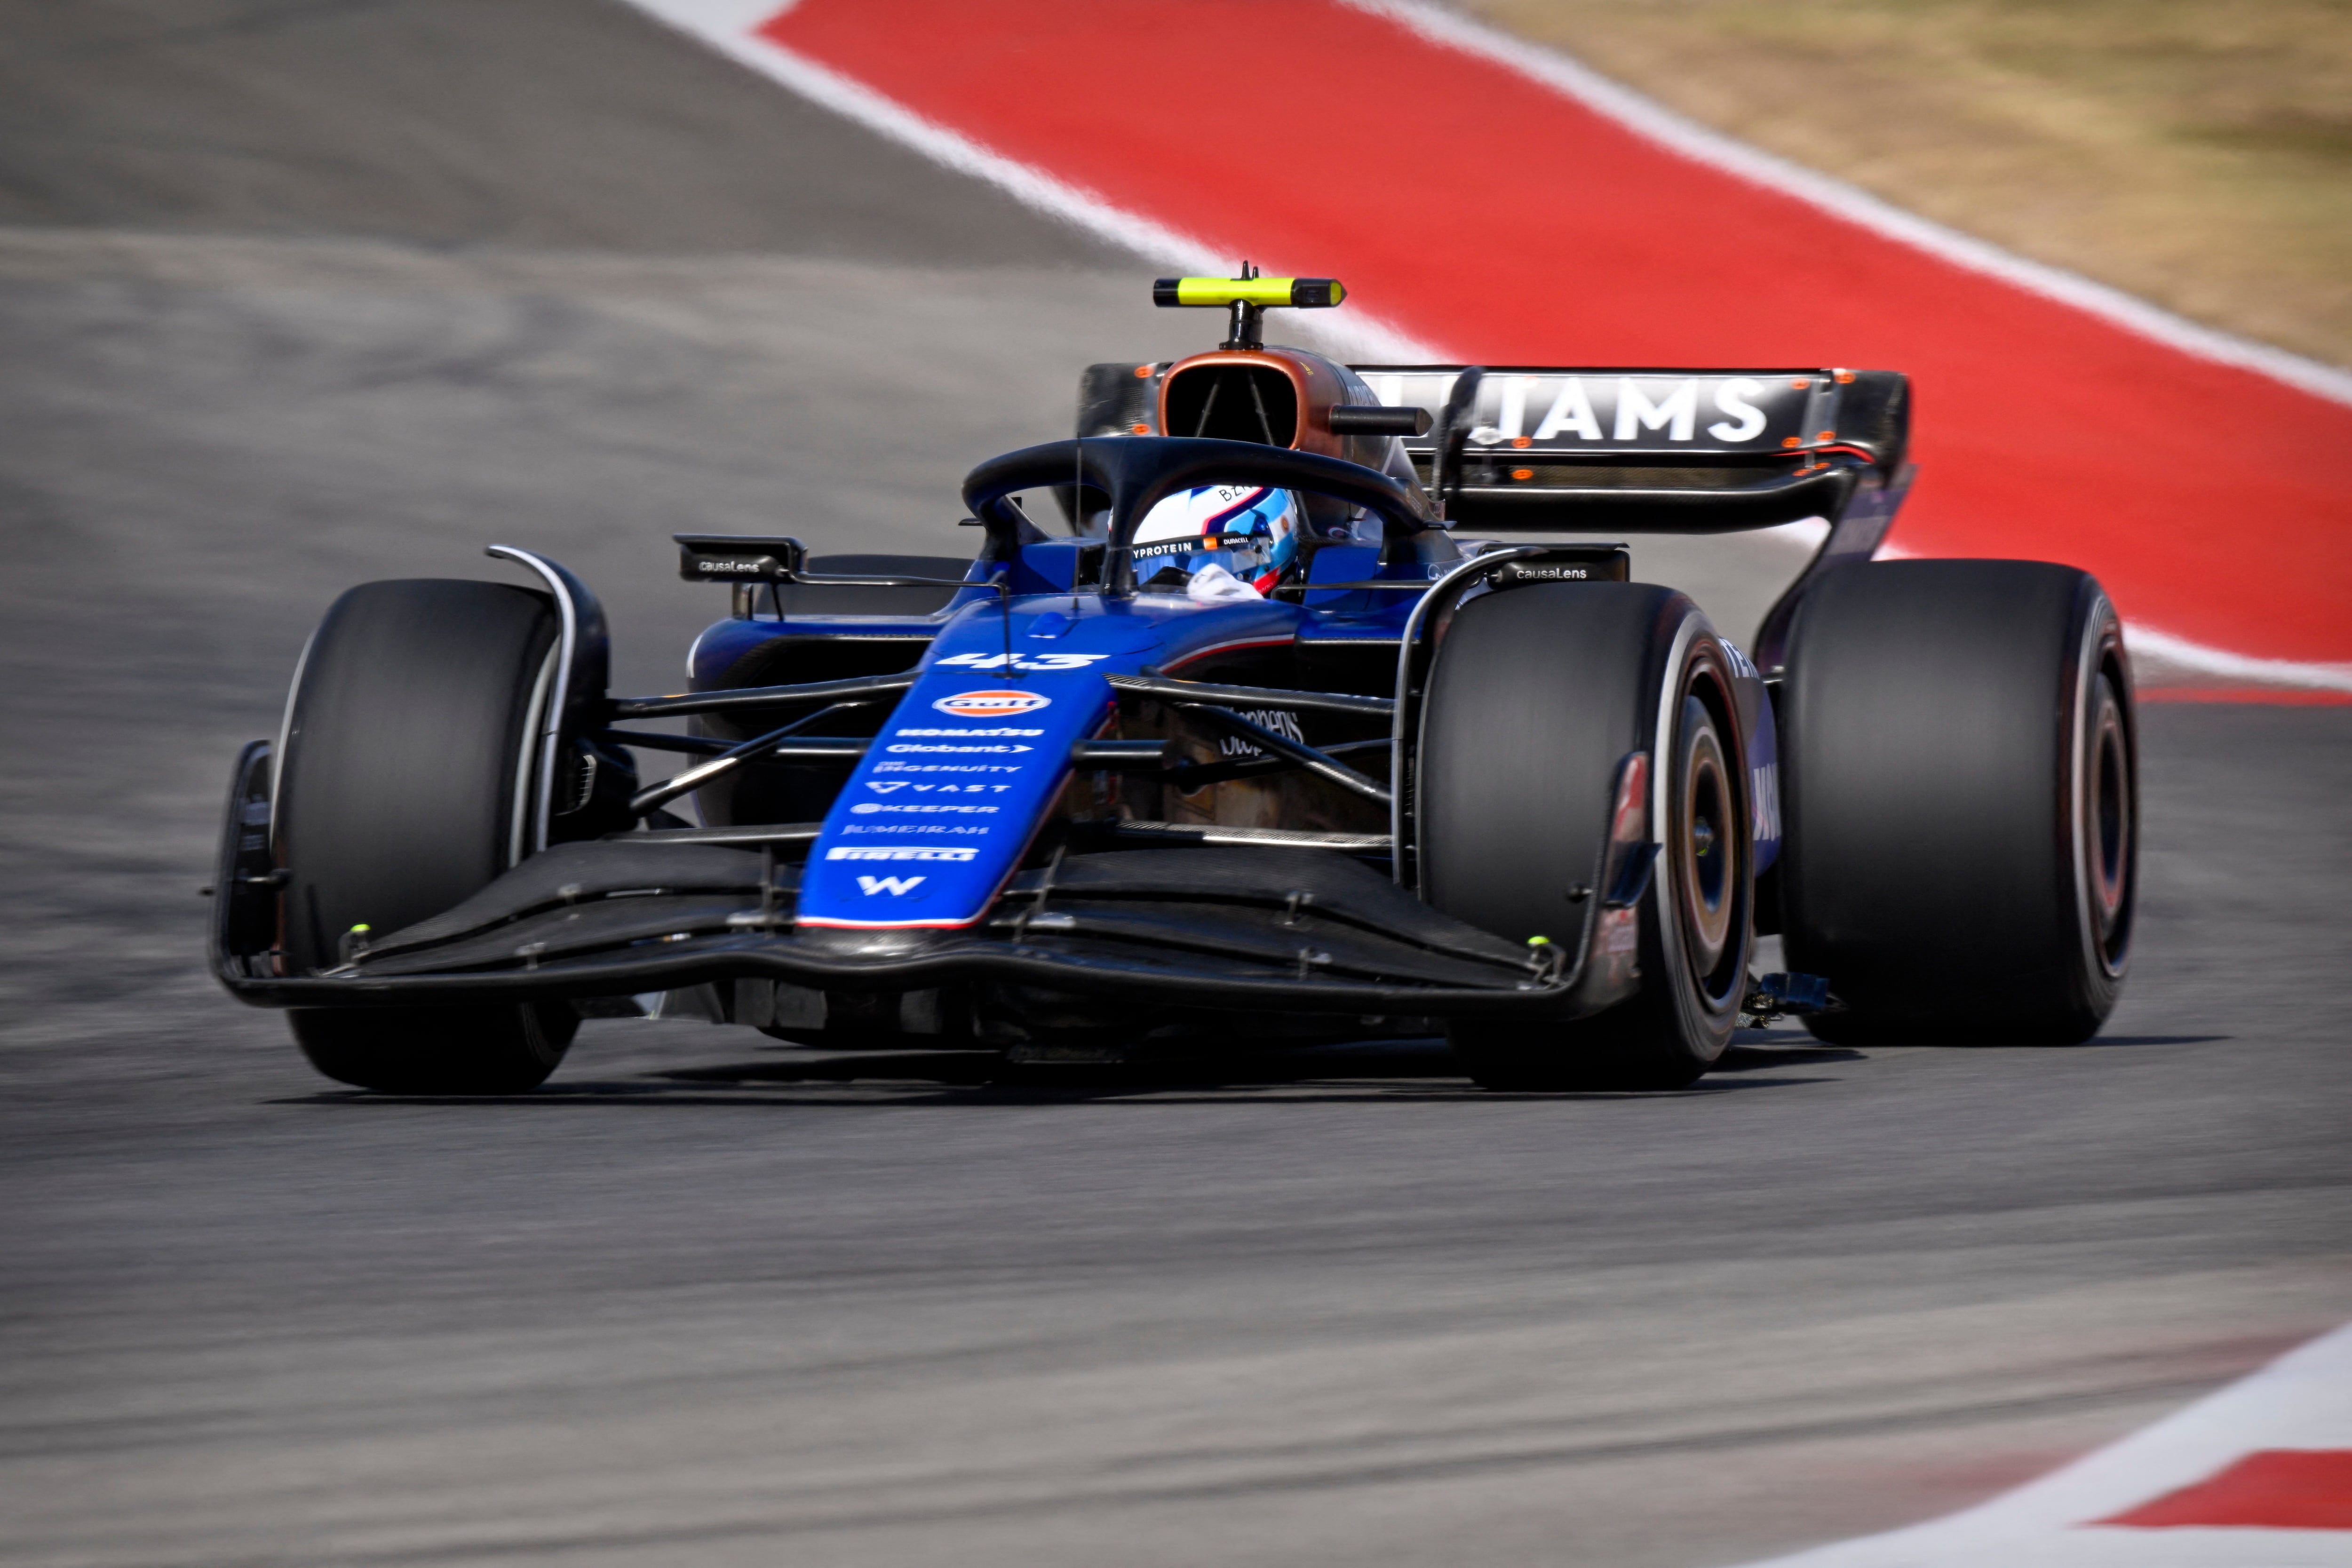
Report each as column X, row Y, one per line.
column 991, row 704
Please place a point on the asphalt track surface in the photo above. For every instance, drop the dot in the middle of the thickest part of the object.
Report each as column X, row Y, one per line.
column 296, row 295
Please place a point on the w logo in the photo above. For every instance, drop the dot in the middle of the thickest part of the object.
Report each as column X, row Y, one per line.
column 894, row 885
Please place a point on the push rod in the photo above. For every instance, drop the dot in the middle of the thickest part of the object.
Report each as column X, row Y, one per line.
column 702, row 774
column 1306, row 756
column 1173, row 690
column 854, row 687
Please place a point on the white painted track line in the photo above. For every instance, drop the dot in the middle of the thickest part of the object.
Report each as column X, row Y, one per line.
column 1648, row 118
column 2302, row 1400
column 730, row 27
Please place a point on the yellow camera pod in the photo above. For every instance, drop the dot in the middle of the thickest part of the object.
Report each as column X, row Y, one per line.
column 1214, row 293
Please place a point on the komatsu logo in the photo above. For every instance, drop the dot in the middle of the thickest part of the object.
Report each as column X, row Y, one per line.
column 968, row 734
column 992, row 704
column 897, row 887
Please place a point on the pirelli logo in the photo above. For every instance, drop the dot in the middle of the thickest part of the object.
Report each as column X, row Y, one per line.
column 897, row 852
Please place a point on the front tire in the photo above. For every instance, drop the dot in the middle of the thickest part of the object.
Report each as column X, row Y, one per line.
column 436, row 1050
column 1960, row 776
column 1537, row 695
column 404, row 787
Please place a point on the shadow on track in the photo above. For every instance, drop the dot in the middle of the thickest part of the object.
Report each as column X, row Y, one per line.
column 2155, row 1040
column 1384, row 1072
column 1406, row 1071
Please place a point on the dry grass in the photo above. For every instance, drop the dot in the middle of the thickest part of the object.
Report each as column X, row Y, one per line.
column 2196, row 153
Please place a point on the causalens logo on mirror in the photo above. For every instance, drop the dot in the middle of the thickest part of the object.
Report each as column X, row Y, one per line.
column 992, row 704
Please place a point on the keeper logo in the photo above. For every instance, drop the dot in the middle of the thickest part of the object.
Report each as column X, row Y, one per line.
column 870, row 807
column 992, row 704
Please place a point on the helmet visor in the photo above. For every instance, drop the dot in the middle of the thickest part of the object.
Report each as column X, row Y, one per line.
column 1248, row 530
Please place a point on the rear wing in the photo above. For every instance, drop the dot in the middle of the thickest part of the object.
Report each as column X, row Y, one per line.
column 1551, row 449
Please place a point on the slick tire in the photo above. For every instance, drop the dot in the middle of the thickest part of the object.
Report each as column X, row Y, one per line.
column 403, row 786
column 1960, row 790
column 436, row 1050
column 1537, row 694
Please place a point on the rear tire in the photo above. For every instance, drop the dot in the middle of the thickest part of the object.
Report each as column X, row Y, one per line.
column 1536, row 695
column 403, row 786
column 1960, row 790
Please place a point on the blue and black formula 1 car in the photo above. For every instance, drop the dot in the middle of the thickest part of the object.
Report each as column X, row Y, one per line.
column 1253, row 745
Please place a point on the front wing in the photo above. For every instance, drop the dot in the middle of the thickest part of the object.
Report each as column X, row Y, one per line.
column 1250, row 928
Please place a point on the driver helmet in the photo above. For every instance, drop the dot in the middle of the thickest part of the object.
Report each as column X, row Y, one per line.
column 1249, row 531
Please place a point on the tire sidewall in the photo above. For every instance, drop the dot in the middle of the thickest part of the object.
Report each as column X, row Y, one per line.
column 1698, row 1013
column 407, row 780
column 437, row 835
column 1500, row 819
column 2101, row 964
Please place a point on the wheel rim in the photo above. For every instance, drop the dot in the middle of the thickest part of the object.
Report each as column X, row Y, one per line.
column 1706, row 846
column 2107, row 841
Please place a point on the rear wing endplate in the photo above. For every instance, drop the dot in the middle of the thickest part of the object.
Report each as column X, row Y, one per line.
column 1555, row 450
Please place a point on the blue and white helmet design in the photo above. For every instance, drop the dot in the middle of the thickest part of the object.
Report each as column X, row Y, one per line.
column 1248, row 530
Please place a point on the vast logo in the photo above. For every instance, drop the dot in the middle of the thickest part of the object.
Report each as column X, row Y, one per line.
column 884, row 786
column 992, row 704
column 896, row 887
